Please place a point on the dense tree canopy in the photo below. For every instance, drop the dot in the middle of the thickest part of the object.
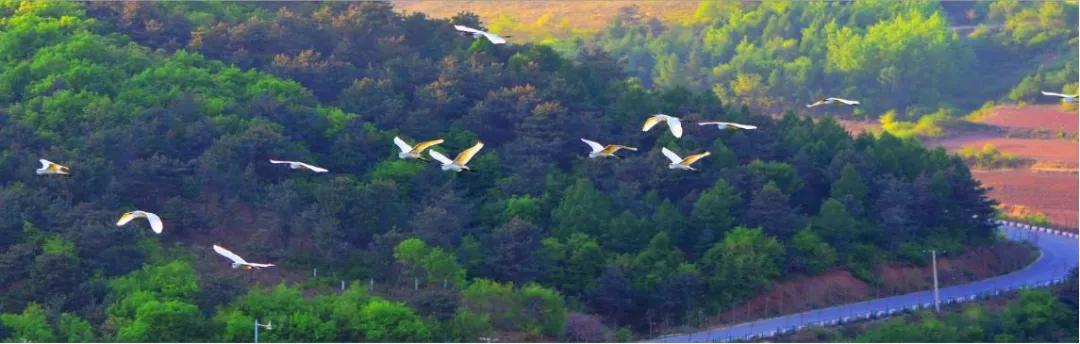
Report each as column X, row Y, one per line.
column 910, row 56
column 175, row 108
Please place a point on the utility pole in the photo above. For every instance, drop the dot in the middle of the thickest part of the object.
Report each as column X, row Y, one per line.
column 269, row 326
column 937, row 297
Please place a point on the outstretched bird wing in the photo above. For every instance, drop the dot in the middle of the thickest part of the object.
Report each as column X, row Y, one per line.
column 675, row 125
column 651, row 122
column 691, row 159
column 440, row 157
column 420, row 147
column 495, row 39
column 845, row 101
column 817, row 103
column 45, row 163
column 466, row 155
column 612, row 148
column 404, row 147
column 464, row 28
column 675, row 159
column 260, row 265
column 228, row 254
column 272, row 161
column 1055, row 94
column 155, row 222
column 743, row 126
column 313, row 168
column 596, row 147
column 710, row 123
column 124, row 219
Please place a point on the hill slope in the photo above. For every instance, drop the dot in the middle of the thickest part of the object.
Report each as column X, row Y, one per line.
column 540, row 20
column 156, row 107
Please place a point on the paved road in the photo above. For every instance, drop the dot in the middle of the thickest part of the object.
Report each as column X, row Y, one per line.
column 1059, row 256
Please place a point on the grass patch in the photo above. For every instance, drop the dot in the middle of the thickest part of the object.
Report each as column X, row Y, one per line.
column 1019, row 213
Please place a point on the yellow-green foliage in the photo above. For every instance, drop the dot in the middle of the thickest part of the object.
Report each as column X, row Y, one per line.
column 926, row 126
column 981, row 113
column 989, row 157
column 1023, row 214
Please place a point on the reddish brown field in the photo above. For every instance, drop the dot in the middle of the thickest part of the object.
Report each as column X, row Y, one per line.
column 1053, row 193
column 1035, row 149
column 1044, row 117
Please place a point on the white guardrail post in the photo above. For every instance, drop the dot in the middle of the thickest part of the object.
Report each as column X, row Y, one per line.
column 1035, row 228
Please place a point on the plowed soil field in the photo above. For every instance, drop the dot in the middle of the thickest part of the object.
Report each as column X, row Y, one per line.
column 1030, row 132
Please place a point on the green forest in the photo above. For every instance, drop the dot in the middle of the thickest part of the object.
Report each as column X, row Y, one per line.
column 175, row 108
column 913, row 57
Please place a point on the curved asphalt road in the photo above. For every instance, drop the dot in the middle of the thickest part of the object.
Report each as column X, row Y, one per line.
column 1059, row 256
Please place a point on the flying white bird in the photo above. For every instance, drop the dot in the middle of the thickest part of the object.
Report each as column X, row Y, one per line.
column 155, row 221
column 238, row 262
column 725, row 125
column 49, row 167
column 678, row 163
column 600, row 151
column 495, row 39
column 831, row 101
column 673, row 123
column 299, row 165
column 1065, row 98
column 414, row 152
column 459, row 163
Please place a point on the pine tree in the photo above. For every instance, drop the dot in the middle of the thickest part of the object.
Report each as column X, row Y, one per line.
column 656, row 262
column 516, row 252
column 582, row 209
column 835, row 225
column 667, row 219
column 850, row 189
column 769, row 209
column 715, row 207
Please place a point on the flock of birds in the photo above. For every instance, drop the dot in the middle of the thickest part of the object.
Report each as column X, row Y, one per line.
column 460, row 162
column 156, row 225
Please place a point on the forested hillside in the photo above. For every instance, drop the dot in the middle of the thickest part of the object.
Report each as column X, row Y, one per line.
column 175, row 108
column 914, row 57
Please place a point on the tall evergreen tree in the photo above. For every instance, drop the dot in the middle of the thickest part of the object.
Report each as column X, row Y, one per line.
column 769, row 209
column 835, row 225
column 516, row 252
column 581, row 209
column 850, row 189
